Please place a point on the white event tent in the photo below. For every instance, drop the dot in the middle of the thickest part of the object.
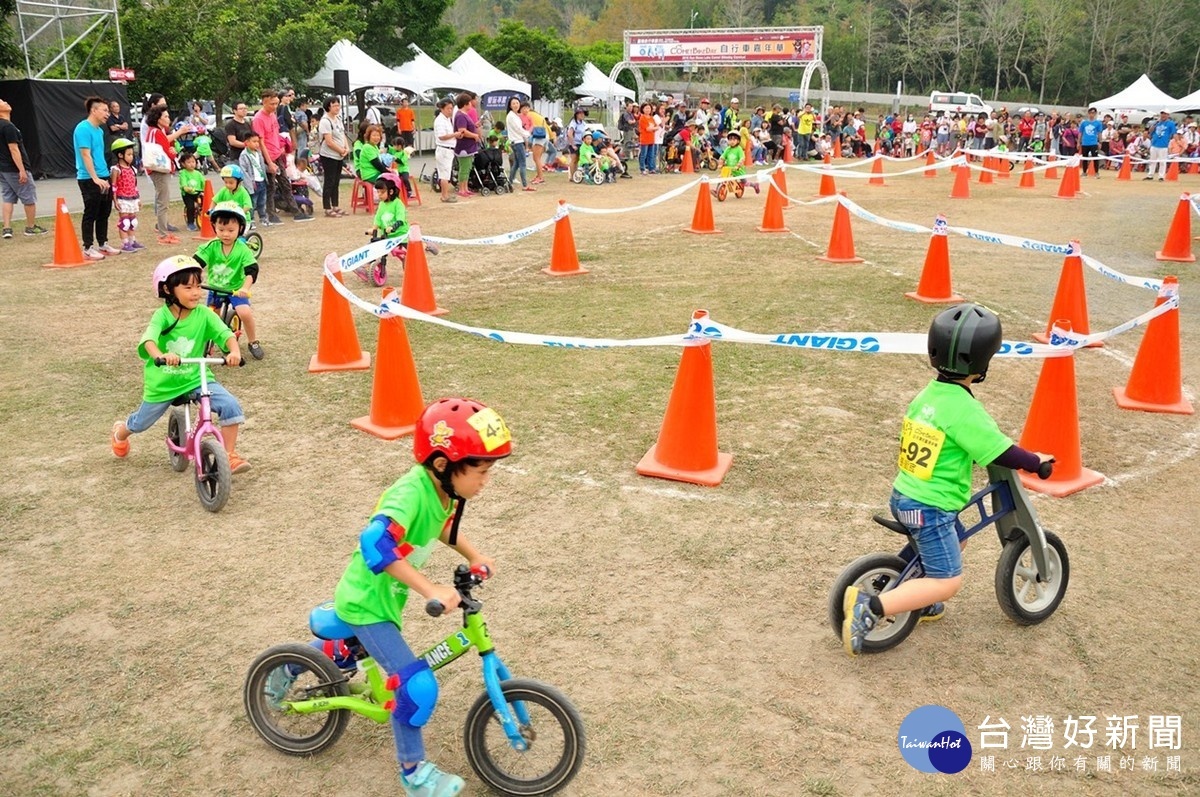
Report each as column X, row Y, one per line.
column 364, row 70
column 1189, row 103
column 1141, row 95
column 475, row 68
column 423, row 73
column 596, row 84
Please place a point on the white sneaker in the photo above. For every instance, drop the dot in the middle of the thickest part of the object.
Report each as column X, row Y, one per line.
column 92, row 253
column 109, row 249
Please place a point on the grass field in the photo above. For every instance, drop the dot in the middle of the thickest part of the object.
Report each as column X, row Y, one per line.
column 688, row 624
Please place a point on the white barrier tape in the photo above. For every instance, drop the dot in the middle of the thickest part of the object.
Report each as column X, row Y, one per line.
column 1140, row 282
column 1073, row 340
column 370, row 252
column 840, row 170
column 674, row 192
column 866, row 215
column 497, row 240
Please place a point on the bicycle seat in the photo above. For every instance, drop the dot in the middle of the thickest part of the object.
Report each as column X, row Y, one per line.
column 325, row 624
column 892, row 525
column 184, row 400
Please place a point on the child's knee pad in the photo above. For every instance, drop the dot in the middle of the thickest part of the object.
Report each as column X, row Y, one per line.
column 416, row 692
column 127, row 223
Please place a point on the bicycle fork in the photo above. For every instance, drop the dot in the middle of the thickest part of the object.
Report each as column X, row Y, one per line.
column 494, row 672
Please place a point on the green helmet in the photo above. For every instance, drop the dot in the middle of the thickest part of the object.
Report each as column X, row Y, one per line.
column 120, row 145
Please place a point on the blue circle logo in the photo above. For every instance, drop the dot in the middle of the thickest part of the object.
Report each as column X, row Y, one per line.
column 933, row 739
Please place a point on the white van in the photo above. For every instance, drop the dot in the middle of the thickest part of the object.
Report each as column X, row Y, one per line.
column 952, row 102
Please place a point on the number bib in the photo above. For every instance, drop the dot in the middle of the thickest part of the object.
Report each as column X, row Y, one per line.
column 491, row 428
column 919, row 449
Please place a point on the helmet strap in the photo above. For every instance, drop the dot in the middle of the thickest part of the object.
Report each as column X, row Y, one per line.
column 458, row 513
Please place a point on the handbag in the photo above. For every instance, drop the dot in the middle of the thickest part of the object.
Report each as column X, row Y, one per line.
column 155, row 158
column 539, row 131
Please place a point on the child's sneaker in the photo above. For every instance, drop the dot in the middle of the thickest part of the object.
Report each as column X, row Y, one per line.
column 930, row 613
column 128, row 247
column 279, row 682
column 120, row 448
column 256, row 350
column 858, row 620
column 237, row 464
column 138, row 246
column 429, row 781
column 361, row 273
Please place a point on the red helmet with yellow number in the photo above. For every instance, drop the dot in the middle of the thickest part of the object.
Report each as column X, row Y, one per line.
column 461, row 428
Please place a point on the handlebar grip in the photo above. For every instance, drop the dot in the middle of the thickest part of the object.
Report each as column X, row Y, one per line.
column 434, row 608
column 1045, row 469
column 160, row 361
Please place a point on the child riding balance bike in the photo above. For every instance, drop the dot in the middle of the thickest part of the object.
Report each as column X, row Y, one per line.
column 875, row 604
column 733, row 161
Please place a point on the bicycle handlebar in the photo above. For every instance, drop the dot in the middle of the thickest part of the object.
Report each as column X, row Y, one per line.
column 161, row 361
column 465, row 578
column 1045, row 469
column 217, row 291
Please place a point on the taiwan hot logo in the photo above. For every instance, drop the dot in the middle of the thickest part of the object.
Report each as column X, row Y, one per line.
column 933, row 739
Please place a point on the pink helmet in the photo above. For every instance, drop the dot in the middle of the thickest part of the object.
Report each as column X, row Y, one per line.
column 168, row 267
column 394, row 179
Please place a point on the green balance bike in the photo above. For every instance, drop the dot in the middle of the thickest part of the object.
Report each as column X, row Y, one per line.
column 521, row 737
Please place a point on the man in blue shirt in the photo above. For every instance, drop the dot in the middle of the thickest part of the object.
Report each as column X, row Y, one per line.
column 1089, row 141
column 91, row 169
column 1160, row 137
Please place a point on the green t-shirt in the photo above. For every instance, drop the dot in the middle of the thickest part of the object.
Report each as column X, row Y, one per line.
column 189, row 338
column 391, row 217
column 362, row 597
column 401, row 159
column 203, row 146
column 735, row 159
column 226, row 271
column 366, row 170
column 240, row 196
column 191, row 182
column 945, row 429
column 587, row 153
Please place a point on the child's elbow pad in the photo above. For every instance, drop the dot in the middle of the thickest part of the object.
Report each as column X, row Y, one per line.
column 382, row 542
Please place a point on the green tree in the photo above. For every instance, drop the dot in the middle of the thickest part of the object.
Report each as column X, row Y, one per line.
column 11, row 56
column 540, row 57
column 392, row 25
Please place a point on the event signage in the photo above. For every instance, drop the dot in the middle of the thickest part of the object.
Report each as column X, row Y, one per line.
column 724, row 46
column 120, row 74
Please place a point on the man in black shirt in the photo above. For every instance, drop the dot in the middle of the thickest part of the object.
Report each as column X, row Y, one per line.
column 236, row 130
column 15, row 180
column 116, row 127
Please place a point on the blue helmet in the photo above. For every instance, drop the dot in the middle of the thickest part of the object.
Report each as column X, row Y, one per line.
column 233, row 171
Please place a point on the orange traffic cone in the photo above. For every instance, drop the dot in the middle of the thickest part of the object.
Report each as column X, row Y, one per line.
column 67, row 251
column 877, row 173
column 787, row 149
column 1052, row 172
column 337, row 339
column 986, row 174
column 837, row 148
column 1126, row 172
column 1070, row 299
column 841, row 239
column 1052, row 427
column 1178, row 245
column 934, row 286
column 1195, row 168
column 686, row 450
column 417, row 289
column 1027, row 176
column 702, row 217
column 929, row 163
column 780, row 179
column 1066, row 188
column 1001, row 165
column 1155, row 383
column 395, row 391
column 827, row 186
column 772, row 220
column 1173, row 171
column 962, row 182
column 748, row 161
column 564, row 260
column 687, row 167
column 207, row 233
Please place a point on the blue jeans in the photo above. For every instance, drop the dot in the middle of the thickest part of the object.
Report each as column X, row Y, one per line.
column 934, row 534
column 386, row 645
column 518, row 163
column 222, row 403
column 646, row 158
column 258, row 201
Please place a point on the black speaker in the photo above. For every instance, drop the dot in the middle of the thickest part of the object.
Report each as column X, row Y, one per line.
column 341, row 82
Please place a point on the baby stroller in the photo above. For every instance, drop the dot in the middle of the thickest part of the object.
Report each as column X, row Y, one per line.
column 487, row 172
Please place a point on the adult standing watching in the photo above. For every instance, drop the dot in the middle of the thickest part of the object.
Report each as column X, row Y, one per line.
column 301, row 124
column 804, row 130
column 116, row 127
column 91, row 170
column 575, row 132
column 406, row 122
column 15, row 180
column 514, row 126
column 468, row 141
column 332, row 149
column 445, row 137
column 158, row 130
column 266, row 124
column 236, row 130
column 1160, row 141
column 284, row 115
column 152, row 101
column 539, row 135
column 1089, row 141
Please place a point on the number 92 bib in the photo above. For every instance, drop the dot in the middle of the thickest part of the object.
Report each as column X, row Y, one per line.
column 919, row 449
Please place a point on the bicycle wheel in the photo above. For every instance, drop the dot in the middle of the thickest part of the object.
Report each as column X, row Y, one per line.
column 1022, row 596
column 255, row 242
column 577, row 175
column 598, row 178
column 379, row 272
column 739, row 188
column 871, row 574
column 722, row 192
column 213, row 478
column 293, row 672
column 177, row 434
column 554, row 734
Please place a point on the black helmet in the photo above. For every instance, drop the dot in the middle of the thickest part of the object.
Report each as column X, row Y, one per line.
column 963, row 340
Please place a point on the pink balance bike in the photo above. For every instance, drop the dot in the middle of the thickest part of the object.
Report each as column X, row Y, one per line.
column 202, row 443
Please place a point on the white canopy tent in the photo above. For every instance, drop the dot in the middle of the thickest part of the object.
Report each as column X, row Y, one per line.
column 1141, row 95
column 597, row 84
column 423, row 73
column 475, row 68
column 1189, row 103
column 364, row 70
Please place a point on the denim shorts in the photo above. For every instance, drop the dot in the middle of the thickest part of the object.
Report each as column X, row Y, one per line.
column 214, row 300
column 222, row 402
column 934, row 534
